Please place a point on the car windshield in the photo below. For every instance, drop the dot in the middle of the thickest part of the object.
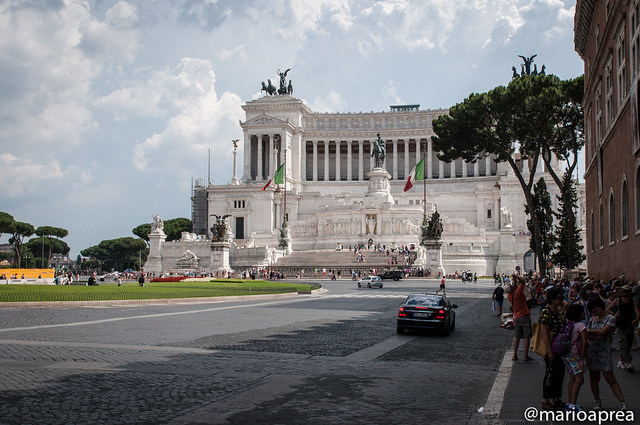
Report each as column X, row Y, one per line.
column 425, row 300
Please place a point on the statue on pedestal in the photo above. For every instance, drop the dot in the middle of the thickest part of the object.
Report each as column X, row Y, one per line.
column 221, row 229
column 431, row 228
column 157, row 224
column 379, row 151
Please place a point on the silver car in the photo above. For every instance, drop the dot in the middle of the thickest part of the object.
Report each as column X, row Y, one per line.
column 370, row 282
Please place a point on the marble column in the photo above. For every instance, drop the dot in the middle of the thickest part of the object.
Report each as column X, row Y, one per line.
column 338, row 165
column 395, row 159
column 476, row 168
column 349, row 160
column 406, row 159
column 360, row 160
column 371, row 159
column 418, row 153
column 464, row 168
column 247, row 157
column 303, row 171
column 326, row 160
column 315, row 160
column 440, row 169
column 260, row 175
column 273, row 160
column 429, row 173
column 488, row 166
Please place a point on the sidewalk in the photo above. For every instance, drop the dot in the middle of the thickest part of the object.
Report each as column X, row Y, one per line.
column 524, row 390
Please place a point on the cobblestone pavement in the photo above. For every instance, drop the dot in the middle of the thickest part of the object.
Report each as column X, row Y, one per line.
column 329, row 359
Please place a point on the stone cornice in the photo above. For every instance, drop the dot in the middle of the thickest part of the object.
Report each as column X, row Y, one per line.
column 582, row 24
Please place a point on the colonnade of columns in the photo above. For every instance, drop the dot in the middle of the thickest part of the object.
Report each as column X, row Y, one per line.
column 318, row 165
column 333, row 160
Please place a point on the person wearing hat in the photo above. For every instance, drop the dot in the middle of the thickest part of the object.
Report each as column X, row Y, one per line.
column 623, row 308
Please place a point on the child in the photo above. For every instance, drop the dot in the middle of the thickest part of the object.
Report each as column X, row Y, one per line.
column 575, row 359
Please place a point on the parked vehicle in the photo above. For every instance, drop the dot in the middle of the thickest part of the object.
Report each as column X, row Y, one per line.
column 392, row 274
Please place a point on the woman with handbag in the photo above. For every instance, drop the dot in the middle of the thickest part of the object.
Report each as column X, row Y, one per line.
column 552, row 321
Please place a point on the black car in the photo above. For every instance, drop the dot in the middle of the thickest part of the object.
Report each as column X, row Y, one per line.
column 392, row 274
column 427, row 311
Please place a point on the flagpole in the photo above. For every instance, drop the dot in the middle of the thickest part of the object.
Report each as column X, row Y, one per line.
column 284, row 212
column 424, row 180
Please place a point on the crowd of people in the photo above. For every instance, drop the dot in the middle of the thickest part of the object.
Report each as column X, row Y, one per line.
column 574, row 333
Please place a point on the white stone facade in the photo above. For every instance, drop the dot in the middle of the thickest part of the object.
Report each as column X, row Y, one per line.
column 331, row 198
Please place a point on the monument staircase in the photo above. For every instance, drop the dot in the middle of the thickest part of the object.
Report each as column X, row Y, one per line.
column 344, row 260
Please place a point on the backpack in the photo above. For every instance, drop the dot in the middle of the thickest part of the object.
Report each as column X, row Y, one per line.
column 562, row 342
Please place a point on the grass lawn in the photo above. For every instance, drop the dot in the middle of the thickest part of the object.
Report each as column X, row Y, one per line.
column 151, row 290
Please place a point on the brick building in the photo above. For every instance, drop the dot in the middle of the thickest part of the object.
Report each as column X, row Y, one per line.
column 607, row 37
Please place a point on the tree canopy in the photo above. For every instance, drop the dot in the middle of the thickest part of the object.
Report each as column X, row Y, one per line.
column 173, row 228
column 535, row 115
column 7, row 223
column 21, row 230
column 118, row 254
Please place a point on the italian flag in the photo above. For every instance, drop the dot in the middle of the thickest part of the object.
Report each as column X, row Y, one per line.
column 416, row 174
column 278, row 177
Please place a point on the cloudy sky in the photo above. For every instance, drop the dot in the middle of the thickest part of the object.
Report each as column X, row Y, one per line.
column 108, row 108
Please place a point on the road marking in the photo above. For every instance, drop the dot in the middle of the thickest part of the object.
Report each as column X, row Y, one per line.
column 150, row 316
column 493, row 405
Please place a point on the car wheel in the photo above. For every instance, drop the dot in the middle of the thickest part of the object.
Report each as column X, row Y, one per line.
column 368, row 285
column 359, row 286
column 400, row 329
column 381, row 285
column 453, row 325
column 396, row 279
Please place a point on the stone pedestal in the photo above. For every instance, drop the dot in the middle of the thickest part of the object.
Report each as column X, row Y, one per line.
column 379, row 192
column 430, row 257
column 154, row 260
column 507, row 261
column 219, row 261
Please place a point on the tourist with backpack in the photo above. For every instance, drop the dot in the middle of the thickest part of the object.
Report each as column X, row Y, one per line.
column 571, row 344
column 552, row 321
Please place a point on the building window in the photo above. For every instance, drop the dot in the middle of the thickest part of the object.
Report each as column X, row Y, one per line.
column 624, row 208
column 608, row 101
column 489, row 213
column 612, row 219
column 593, row 232
column 239, row 204
column 599, row 130
column 635, row 46
column 638, row 198
column 621, row 57
column 239, row 228
column 601, row 225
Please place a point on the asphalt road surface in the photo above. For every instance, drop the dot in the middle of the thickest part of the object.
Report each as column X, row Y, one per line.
column 330, row 358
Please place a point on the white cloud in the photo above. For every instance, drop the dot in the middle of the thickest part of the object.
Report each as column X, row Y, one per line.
column 22, row 176
column 332, row 102
column 198, row 119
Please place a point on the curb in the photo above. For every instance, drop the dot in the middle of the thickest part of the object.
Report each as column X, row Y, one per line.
column 159, row 301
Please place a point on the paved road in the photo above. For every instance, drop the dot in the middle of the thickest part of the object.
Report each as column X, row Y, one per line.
column 330, row 358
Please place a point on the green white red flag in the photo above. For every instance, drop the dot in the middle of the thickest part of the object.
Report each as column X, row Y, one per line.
column 278, row 177
column 416, row 174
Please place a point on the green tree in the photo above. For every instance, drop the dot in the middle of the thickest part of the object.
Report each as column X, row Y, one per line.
column 51, row 234
column 118, row 254
column 542, row 210
column 142, row 231
column 173, row 228
column 517, row 118
column 7, row 223
column 21, row 230
column 569, row 254
column 36, row 246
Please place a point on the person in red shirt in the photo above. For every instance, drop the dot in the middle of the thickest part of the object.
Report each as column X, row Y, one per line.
column 521, row 315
